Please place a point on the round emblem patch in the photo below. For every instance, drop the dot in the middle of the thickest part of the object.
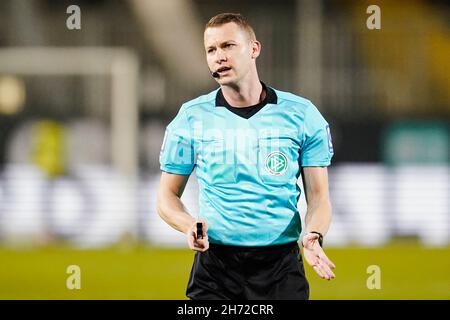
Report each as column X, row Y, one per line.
column 276, row 163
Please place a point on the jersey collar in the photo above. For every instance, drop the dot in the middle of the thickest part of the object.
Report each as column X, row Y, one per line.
column 271, row 97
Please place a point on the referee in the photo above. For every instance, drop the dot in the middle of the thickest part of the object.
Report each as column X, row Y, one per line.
column 249, row 144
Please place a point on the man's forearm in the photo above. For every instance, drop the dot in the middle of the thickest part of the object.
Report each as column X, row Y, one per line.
column 171, row 210
column 318, row 216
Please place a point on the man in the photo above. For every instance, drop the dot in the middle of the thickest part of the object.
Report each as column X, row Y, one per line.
column 249, row 143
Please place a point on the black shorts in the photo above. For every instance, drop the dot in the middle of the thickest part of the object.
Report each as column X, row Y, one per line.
column 248, row 273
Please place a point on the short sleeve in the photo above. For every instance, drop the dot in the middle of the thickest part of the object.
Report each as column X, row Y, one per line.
column 317, row 146
column 177, row 150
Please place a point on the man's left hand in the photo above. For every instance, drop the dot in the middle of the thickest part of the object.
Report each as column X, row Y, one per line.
column 316, row 257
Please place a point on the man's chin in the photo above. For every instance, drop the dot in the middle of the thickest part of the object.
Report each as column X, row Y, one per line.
column 225, row 81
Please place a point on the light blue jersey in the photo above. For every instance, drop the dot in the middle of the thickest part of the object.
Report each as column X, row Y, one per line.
column 248, row 169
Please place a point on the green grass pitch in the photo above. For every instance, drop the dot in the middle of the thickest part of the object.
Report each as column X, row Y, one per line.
column 407, row 272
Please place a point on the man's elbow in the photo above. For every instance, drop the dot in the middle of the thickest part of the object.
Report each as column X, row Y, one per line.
column 323, row 207
column 160, row 204
column 327, row 208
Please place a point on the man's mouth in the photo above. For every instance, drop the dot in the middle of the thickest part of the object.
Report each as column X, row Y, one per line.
column 223, row 69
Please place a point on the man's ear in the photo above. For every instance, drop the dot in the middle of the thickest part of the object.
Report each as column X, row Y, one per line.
column 256, row 48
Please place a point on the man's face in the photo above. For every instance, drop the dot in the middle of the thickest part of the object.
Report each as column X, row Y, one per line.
column 230, row 52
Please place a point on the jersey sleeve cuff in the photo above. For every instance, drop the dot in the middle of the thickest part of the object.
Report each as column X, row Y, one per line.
column 176, row 170
column 317, row 163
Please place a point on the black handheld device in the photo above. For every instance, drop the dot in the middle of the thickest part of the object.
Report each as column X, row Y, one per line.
column 199, row 230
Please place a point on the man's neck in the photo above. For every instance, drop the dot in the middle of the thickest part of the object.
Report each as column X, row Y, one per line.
column 244, row 95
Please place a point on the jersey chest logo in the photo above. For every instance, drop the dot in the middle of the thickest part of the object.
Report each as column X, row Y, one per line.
column 276, row 163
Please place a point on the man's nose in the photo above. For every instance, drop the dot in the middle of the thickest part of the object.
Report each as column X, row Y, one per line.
column 220, row 55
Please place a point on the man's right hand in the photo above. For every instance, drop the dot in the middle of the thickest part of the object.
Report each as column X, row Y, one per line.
column 195, row 244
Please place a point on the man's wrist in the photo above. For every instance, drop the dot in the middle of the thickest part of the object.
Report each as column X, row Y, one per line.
column 188, row 226
column 320, row 239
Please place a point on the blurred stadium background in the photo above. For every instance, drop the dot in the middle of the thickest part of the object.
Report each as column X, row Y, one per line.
column 83, row 112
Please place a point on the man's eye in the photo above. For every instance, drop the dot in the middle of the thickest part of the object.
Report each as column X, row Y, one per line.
column 211, row 50
column 229, row 45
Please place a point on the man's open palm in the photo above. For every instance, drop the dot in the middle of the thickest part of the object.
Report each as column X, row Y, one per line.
column 315, row 256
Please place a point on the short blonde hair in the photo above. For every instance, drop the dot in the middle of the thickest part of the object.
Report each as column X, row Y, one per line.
column 224, row 18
